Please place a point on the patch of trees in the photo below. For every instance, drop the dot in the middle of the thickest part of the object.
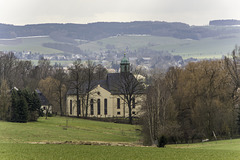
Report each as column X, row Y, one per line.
column 200, row 101
column 22, row 75
column 224, row 22
column 25, row 106
column 18, row 105
column 62, row 36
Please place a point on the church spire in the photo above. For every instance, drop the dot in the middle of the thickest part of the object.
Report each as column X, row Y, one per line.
column 124, row 65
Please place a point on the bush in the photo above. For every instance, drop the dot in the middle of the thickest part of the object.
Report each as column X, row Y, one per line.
column 162, row 141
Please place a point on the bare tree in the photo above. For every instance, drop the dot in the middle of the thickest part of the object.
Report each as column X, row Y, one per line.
column 60, row 84
column 5, row 100
column 45, row 68
column 100, row 72
column 77, row 80
column 7, row 65
column 90, row 77
column 232, row 65
column 159, row 112
column 130, row 87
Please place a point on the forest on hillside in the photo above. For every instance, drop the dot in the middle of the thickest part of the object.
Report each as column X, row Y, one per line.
column 100, row 30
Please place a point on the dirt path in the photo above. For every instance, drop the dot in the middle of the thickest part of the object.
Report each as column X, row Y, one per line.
column 90, row 143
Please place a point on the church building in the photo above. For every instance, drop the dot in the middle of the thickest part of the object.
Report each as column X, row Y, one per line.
column 107, row 99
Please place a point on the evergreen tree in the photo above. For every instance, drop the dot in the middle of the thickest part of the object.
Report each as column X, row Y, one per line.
column 34, row 107
column 22, row 107
column 19, row 108
column 14, row 111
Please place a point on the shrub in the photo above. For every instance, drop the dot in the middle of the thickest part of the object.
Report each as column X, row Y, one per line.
column 162, row 141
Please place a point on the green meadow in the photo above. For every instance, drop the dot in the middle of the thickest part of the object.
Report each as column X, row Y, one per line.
column 18, row 141
column 55, row 129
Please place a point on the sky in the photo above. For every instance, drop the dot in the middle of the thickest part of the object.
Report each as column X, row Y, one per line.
column 193, row 12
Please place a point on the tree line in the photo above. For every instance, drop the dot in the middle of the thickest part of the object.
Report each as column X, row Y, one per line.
column 52, row 81
column 199, row 101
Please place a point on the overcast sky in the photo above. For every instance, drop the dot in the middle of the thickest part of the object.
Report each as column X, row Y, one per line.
column 193, row 12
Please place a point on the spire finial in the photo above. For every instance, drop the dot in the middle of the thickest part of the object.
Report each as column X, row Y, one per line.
column 125, row 54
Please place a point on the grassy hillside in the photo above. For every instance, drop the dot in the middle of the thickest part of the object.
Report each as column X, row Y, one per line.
column 52, row 130
column 203, row 48
column 15, row 141
column 33, row 44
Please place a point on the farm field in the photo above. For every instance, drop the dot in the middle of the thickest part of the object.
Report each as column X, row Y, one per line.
column 214, row 47
column 16, row 142
column 33, row 44
column 203, row 48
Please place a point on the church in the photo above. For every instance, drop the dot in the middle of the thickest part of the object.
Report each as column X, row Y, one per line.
column 108, row 96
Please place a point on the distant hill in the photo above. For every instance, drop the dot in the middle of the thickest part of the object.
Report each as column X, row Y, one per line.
column 106, row 41
column 229, row 22
column 95, row 31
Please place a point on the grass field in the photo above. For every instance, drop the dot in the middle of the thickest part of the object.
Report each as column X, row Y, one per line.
column 15, row 141
column 52, row 130
column 33, row 44
column 69, row 152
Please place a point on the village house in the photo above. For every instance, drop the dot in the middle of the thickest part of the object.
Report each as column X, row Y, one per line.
column 106, row 98
column 45, row 105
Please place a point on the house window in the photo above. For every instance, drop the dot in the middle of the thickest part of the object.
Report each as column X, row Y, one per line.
column 118, row 103
column 98, row 107
column 70, row 106
column 91, row 107
column 105, row 106
column 133, row 102
column 118, row 113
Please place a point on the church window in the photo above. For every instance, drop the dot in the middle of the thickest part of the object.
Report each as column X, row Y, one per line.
column 105, row 106
column 118, row 103
column 91, row 107
column 70, row 106
column 98, row 107
column 133, row 102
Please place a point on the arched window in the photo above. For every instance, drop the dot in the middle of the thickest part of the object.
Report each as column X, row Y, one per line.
column 91, row 107
column 105, row 106
column 70, row 106
column 118, row 103
column 98, row 107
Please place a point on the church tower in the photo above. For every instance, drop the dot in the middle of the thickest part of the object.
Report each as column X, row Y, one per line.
column 124, row 65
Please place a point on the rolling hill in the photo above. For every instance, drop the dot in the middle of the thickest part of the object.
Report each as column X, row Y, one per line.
column 90, row 40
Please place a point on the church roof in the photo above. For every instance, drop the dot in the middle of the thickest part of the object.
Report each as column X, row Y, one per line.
column 111, row 84
column 42, row 98
column 114, row 82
